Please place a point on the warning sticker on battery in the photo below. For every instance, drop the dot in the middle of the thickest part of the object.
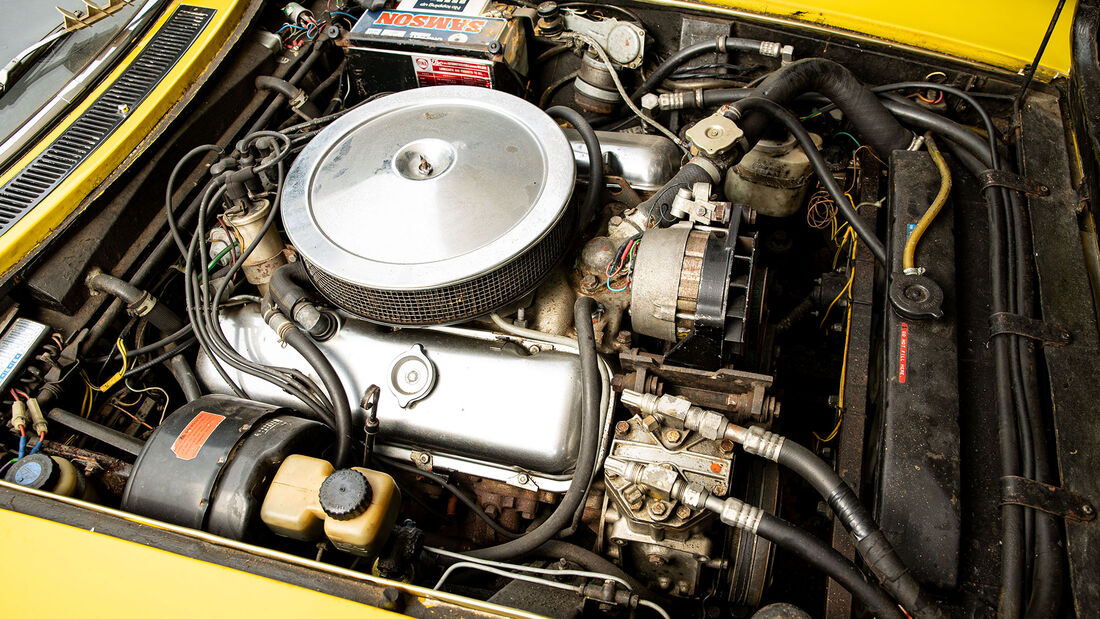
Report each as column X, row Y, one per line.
column 440, row 71
column 465, row 7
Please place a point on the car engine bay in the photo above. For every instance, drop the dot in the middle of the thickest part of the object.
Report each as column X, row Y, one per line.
column 580, row 309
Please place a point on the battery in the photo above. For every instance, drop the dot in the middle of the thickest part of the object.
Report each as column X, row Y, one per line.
column 437, row 43
column 17, row 345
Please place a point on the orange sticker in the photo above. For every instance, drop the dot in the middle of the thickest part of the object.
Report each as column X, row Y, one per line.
column 190, row 441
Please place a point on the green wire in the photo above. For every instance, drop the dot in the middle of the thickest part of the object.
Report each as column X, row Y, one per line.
column 217, row 259
column 850, row 136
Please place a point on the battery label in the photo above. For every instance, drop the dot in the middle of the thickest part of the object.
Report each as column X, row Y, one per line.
column 17, row 344
column 454, row 7
column 478, row 31
column 446, row 71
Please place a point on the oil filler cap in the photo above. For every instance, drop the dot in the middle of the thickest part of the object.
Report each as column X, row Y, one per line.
column 345, row 494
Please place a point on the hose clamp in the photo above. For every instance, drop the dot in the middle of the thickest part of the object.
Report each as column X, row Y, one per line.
column 142, row 306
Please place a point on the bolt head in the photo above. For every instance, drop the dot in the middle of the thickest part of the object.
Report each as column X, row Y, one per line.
column 650, row 422
column 726, row 446
column 656, row 559
column 423, row 458
column 658, row 508
column 1086, row 509
column 523, row 478
column 622, row 427
column 719, row 489
column 672, row 436
column 683, row 512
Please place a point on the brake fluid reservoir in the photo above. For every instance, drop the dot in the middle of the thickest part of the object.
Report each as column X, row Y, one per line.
column 772, row 177
column 354, row 508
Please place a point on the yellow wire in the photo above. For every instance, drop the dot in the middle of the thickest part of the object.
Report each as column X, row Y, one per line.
column 909, row 256
column 844, row 359
column 117, row 376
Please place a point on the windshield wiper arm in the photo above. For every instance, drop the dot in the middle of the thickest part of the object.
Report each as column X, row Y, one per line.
column 11, row 71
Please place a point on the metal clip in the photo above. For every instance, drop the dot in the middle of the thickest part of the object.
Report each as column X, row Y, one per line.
column 1015, row 182
column 1005, row 322
column 1046, row 498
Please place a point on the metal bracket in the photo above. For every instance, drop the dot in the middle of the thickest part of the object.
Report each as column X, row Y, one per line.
column 1010, row 180
column 1005, row 322
column 1046, row 498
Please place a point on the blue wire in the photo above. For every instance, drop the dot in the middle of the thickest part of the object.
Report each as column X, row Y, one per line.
column 285, row 26
column 37, row 445
column 625, row 286
column 348, row 15
column 850, row 136
column 22, row 446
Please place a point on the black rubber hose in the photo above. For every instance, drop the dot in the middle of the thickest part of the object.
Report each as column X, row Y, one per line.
column 1010, row 603
column 82, row 425
column 303, row 69
column 293, row 292
column 586, row 458
column 595, row 159
column 159, row 316
column 657, row 205
column 871, row 543
column 835, row 565
column 335, row 387
column 824, row 176
column 870, row 120
column 719, row 45
column 290, row 91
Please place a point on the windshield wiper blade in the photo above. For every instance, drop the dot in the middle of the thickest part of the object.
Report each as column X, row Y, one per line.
column 11, row 71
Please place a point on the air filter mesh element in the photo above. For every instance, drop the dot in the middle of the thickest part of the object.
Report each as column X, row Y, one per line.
column 433, row 205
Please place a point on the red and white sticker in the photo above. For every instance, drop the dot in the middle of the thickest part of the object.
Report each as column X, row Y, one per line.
column 903, row 353
column 190, row 441
column 437, row 71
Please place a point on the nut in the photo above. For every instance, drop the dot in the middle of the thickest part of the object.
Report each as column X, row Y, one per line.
column 719, row 489
column 726, row 446
column 649, row 422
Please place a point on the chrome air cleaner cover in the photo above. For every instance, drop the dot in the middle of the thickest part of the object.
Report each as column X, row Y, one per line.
column 433, row 205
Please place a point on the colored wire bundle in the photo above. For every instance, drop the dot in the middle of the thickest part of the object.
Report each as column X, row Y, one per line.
column 622, row 265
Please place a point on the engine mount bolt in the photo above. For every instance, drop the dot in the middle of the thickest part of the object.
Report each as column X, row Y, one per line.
column 726, row 446
column 683, row 512
column 622, row 428
column 672, row 436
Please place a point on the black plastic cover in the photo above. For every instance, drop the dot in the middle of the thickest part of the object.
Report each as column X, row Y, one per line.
column 345, row 494
column 208, row 461
column 37, row 471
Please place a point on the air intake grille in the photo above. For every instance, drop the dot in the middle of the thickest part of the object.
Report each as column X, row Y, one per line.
column 35, row 181
column 454, row 303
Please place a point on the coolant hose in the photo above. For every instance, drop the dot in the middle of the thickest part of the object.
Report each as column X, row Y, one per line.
column 290, row 289
column 297, row 97
column 595, row 160
column 697, row 170
column 740, row 113
column 574, row 497
column 835, row 565
column 870, row 119
column 718, row 45
column 141, row 303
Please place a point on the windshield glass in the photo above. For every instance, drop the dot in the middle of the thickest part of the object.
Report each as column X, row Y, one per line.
column 24, row 23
